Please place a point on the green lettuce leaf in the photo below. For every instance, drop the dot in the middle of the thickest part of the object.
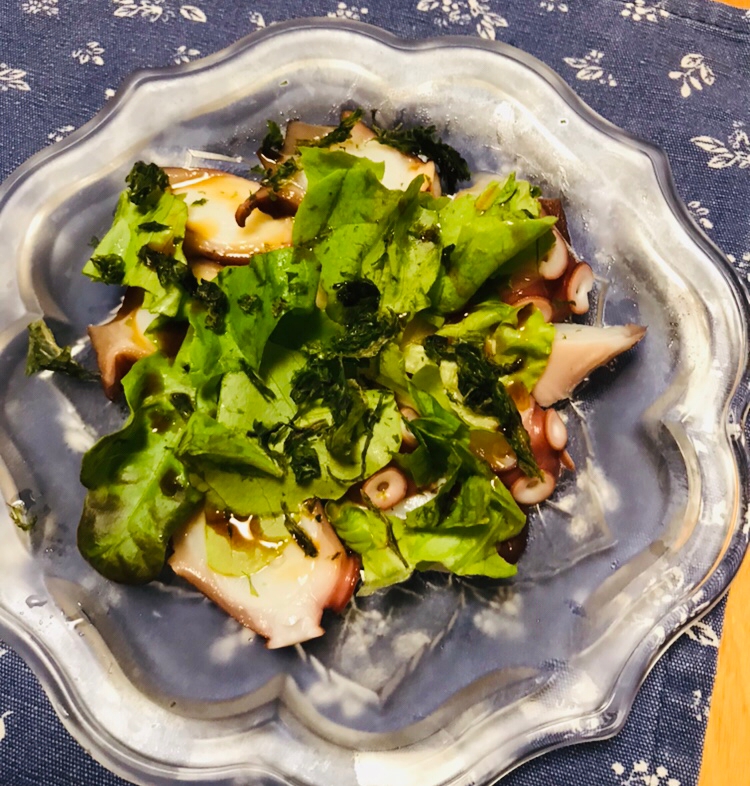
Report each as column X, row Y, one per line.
column 443, row 446
column 319, row 164
column 139, row 493
column 143, row 248
column 242, row 404
column 357, row 228
column 419, row 251
column 369, row 533
column 481, row 234
column 460, row 536
column 390, row 371
column 205, row 441
column 258, row 295
column 520, row 340
column 457, row 530
column 283, row 281
column 266, row 496
column 406, row 270
column 473, row 382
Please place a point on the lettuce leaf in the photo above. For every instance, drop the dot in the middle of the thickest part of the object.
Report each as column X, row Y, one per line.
column 138, row 491
column 246, row 494
column 205, row 441
column 520, row 339
column 242, row 404
column 443, row 444
column 481, row 234
column 318, row 164
column 257, row 296
column 357, row 228
column 457, row 530
column 369, row 533
column 472, row 381
column 406, row 270
column 143, row 248
column 460, row 537
column 418, row 250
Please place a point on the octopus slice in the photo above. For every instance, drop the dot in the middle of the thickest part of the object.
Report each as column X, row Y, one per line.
column 555, row 262
column 576, row 351
column 288, row 596
column 299, row 132
column 400, row 168
column 122, row 341
column 212, row 198
column 386, row 488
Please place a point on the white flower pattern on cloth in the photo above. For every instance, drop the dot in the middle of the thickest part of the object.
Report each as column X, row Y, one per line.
column 343, row 11
column 3, row 716
column 589, row 68
column 641, row 775
column 742, row 263
column 183, row 54
column 91, row 53
column 60, row 133
column 736, row 150
column 694, row 73
column 704, row 634
column 639, row 10
column 256, row 18
column 700, row 214
column 12, row 79
column 700, row 706
column 46, row 7
column 464, row 12
column 554, row 5
column 156, row 10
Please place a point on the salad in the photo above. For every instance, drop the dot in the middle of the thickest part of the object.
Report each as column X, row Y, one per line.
column 337, row 374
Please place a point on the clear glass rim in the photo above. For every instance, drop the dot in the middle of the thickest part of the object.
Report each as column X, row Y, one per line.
column 127, row 762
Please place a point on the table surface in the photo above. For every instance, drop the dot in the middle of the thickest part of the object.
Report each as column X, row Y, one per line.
column 727, row 732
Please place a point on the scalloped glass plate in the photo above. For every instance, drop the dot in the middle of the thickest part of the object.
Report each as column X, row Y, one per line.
column 439, row 681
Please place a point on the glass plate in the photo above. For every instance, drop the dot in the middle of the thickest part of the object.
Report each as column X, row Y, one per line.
column 439, row 681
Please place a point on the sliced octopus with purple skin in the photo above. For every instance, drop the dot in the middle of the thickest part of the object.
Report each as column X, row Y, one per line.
column 276, row 568
column 286, row 599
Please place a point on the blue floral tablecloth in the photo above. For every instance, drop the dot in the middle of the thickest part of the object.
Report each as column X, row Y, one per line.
column 674, row 72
